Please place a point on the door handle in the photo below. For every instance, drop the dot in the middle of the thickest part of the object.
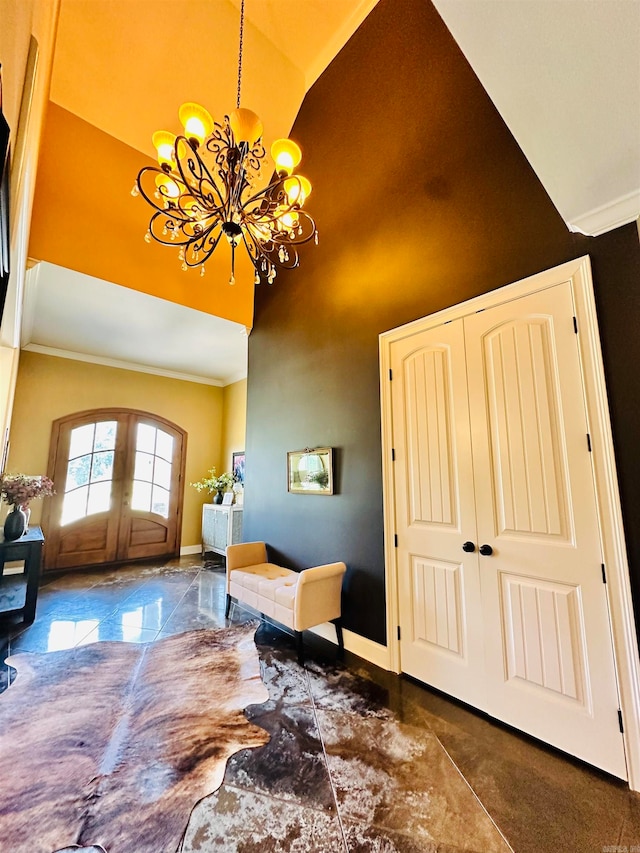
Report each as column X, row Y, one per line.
column 486, row 550
column 469, row 547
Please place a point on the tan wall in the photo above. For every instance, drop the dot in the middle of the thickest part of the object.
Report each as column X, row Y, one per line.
column 234, row 420
column 49, row 388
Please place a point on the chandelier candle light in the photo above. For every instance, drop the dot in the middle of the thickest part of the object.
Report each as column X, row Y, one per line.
column 205, row 187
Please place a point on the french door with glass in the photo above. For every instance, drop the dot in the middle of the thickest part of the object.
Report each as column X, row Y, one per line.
column 118, row 475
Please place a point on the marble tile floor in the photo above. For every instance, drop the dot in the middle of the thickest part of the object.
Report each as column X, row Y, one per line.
column 360, row 760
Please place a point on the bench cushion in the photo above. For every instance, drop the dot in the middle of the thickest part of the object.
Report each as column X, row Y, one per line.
column 264, row 584
column 299, row 600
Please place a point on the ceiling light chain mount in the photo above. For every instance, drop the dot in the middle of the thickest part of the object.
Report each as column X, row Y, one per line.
column 205, row 187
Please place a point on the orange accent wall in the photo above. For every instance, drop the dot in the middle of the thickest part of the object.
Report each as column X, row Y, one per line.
column 85, row 218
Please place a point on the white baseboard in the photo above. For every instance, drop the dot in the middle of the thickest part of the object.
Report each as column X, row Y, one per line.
column 190, row 549
column 361, row 646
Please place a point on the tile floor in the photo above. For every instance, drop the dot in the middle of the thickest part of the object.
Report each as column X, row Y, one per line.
column 360, row 760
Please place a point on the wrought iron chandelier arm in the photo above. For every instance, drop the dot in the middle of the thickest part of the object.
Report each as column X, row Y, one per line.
column 272, row 252
column 160, row 197
column 278, row 205
column 199, row 251
column 190, row 174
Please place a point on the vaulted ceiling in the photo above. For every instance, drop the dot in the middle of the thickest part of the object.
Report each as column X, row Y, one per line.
column 565, row 76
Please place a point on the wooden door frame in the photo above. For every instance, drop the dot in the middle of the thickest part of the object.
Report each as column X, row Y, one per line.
column 618, row 587
column 105, row 414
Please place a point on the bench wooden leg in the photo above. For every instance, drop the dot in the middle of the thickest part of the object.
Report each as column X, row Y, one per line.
column 300, row 647
column 228, row 607
column 338, row 623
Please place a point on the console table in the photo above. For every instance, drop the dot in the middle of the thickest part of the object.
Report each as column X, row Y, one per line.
column 29, row 549
column 221, row 526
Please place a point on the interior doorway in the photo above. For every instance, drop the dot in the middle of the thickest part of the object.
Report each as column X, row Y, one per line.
column 119, row 477
column 507, row 579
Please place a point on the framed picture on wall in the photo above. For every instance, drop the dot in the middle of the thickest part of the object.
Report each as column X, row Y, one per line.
column 237, row 466
column 310, row 471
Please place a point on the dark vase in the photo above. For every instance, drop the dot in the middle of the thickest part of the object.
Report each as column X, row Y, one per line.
column 217, row 498
column 15, row 524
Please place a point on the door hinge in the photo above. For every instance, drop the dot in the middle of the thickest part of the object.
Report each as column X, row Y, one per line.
column 620, row 721
column 390, row 375
column 604, row 574
column 393, row 454
column 575, row 325
column 399, row 632
column 589, row 442
column 395, row 540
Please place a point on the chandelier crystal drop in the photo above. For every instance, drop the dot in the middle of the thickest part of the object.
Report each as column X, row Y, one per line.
column 205, row 186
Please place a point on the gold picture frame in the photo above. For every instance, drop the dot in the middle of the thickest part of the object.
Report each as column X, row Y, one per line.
column 310, row 471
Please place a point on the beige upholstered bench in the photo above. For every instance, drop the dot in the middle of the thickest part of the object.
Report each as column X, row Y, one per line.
column 298, row 600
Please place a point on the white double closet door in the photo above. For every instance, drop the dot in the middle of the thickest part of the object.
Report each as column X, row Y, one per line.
column 491, row 452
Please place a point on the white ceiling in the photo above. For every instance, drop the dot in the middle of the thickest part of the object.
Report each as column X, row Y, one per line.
column 565, row 75
column 76, row 316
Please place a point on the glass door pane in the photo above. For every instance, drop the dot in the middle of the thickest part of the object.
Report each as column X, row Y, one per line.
column 152, row 470
column 87, row 488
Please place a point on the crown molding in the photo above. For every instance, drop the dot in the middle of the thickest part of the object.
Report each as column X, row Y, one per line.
column 125, row 365
column 614, row 214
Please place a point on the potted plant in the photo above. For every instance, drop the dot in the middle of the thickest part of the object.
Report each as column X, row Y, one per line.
column 18, row 490
column 214, row 484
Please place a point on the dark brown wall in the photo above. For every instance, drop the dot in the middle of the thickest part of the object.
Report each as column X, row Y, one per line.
column 423, row 199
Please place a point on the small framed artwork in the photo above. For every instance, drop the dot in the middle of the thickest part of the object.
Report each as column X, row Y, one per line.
column 227, row 498
column 237, row 466
column 310, row 471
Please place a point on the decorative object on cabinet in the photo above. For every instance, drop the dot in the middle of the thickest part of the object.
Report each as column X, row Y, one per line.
column 17, row 490
column 214, row 483
column 221, row 526
column 15, row 524
column 237, row 466
column 310, row 471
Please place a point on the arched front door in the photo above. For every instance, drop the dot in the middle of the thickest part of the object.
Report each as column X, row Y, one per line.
column 119, row 481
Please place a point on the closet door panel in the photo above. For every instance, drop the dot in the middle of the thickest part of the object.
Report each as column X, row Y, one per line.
column 441, row 628
column 549, row 660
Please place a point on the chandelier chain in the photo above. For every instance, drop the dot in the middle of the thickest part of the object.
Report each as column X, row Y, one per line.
column 240, row 53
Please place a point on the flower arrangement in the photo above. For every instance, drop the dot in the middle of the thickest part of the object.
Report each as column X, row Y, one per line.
column 214, row 483
column 19, row 489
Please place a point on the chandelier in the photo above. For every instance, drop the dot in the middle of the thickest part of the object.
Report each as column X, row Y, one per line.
column 206, row 186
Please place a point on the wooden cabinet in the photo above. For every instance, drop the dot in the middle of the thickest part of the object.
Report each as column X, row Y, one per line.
column 221, row 526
